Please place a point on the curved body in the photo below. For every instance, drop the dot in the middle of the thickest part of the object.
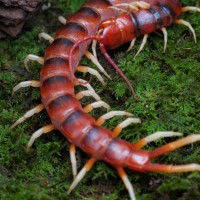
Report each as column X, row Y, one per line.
column 57, row 83
column 64, row 108
column 125, row 27
column 57, row 91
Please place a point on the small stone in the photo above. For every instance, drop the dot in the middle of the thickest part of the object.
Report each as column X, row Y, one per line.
column 14, row 13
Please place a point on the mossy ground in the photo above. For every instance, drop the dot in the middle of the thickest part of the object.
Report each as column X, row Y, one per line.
column 168, row 87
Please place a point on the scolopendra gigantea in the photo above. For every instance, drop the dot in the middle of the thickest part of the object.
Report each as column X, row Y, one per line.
column 138, row 18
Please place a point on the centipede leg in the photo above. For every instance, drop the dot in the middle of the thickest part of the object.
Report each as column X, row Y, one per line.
column 174, row 145
column 144, row 41
column 131, row 7
column 190, row 8
column 23, row 84
column 164, row 30
column 94, row 45
column 38, row 133
column 131, row 45
column 85, row 84
column 127, row 183
column 157, row 135
column 124, row 124
column 111, row 114
column 97, row 104
column 46, row 37
column 84, row 93
column 141, row 4
column 81, row 174
column 183, row 22
column 91, row 71
column 118, row 9
column 96, row 62
column 28, row 114
column 72, row 151
column 171, row 168
column 170, row 147
column 62, row 20
column 87, row 109
column 33, row 58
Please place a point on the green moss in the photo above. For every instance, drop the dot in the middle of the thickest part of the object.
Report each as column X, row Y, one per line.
column 168, row 89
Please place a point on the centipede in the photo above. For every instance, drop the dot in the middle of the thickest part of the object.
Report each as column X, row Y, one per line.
column 95, row 21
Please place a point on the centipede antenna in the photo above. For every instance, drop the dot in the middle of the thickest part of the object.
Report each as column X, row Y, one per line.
column 157, row 135
column 33, row 58
column 183, row 22
column 131, row 45
column 87, row 54
column 104, row 52
column 127, row 183
column 28, row 114
column 46, row 37
column 72, row 151
column 38, row 133
column 23, row 84
column 144, row 41
column 81, row 174
column 164, row 30
column 62, row 20
column 114, row 65
column 190, row 8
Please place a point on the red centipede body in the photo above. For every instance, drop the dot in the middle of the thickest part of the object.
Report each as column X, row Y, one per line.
column 57, row 88
column 125, row 27
column 57, row 91
column 140, row 18
column 65, row 110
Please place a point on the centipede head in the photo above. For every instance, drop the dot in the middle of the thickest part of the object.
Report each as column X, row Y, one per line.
column 110, row 34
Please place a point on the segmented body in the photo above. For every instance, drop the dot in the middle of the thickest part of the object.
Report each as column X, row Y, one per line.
column 57, row 90
column 139, row 18
column 65, row 110
column 125, row 27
